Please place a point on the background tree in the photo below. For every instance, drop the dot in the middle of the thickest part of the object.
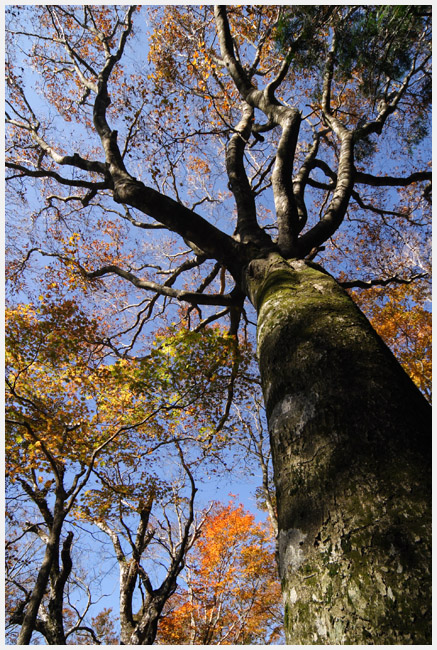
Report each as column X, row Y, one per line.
column 255, row 445
column 305, row 115
column 404, row 321
column 154, row 529
column 232, row 594
column 68, row 415
column 44, row 416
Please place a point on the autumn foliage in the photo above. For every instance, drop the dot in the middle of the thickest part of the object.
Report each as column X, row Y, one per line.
column 231, row 594
column 93, row 435
column 403, row 319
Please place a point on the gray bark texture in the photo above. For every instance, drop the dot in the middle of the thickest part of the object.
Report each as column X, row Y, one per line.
column 351, row 444
column 49, row 568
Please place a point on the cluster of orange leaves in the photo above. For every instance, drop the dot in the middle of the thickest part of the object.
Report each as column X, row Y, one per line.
column 405, row 325
column 192, row 64
column 232, row 593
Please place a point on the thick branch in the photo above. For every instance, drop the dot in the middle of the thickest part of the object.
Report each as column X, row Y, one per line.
column 42, row 578
column 368, row 179
column 285, row 203
column 329, row 118
column 247, row 225
column 301, row 179
column 392, row 181
column 246, row 89
column 65, row 571
column 273, row 85
column 102, row 101
column 143, row 538
column 75, row 160
column 180, row 294
column 288, row 118
column 181, row 220
column 336, row 210
column 40, row 500
column 45, row 173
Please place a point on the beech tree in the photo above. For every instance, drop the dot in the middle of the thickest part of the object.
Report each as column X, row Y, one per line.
column 136, row 528
column 298, row 132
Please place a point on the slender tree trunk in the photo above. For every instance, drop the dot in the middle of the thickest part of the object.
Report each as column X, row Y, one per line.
column 146, row 629
column 42, row 579
column 351, row 444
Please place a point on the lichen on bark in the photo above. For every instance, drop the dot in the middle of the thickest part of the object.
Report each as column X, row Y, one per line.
column 350, row 438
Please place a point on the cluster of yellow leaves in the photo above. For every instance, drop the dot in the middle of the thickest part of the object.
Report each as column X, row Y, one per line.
column 64, row 400
column 53, row 379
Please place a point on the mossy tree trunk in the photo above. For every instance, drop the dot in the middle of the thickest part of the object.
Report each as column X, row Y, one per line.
column 350, row 435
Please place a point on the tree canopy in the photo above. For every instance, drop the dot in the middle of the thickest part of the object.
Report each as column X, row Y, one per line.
column 174, row 117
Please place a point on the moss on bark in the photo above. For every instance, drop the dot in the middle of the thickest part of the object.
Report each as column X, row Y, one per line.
column 350, row 437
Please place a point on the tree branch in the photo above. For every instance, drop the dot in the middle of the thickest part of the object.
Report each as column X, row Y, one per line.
column 102, row 101
column 336, row 210
column 367, row 284
column 65, row 570
column 247, row 225
column 301, row 179
column 392, row 181
column 285, row 203
column 163, row 289
column 386, row 108
column 45, row 173
column 238, row 75
column 113, row 537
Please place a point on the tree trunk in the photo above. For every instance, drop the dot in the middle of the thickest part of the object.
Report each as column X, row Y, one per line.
column 351, row 445
column 42, row 579
column 147, row 627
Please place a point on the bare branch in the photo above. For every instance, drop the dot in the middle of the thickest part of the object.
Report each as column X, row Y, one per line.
column 102, row 101
column 301, row 179
column 162, row 289
column 247, row 225
column 386, row 108
column 392, row 181
column 234, row 68
column 45, row 173
column 336, row 210
column 113, row 537
column 367, row 284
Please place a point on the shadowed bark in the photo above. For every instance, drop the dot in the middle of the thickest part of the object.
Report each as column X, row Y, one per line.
column 350, row 439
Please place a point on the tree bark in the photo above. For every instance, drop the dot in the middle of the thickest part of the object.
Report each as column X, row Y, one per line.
column 351, row 444
column 147, row 628
column 42, row 579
